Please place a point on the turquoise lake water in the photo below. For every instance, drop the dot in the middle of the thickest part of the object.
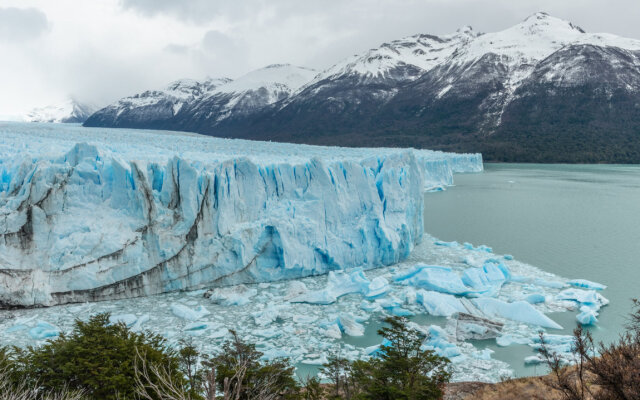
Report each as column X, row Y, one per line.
column 577, row 221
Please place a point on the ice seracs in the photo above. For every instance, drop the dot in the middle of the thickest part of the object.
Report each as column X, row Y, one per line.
column 94, row 214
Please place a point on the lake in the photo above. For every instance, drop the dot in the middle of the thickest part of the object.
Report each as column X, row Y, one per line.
column 577, row 221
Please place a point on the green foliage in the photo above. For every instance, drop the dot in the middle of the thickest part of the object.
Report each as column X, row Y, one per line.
column 401, row 370
column 312, row 389
column 240, row 370
column 97, row 358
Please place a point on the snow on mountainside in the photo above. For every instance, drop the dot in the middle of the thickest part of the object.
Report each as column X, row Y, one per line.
column 417, row 54
column 95, row 214
column 67, row 111
column 212, row 100
column 467, row 91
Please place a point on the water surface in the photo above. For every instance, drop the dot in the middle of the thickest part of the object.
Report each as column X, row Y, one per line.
column 577, row 221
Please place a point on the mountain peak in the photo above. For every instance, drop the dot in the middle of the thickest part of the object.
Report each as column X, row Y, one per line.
column 68, row 110
column 542, row 21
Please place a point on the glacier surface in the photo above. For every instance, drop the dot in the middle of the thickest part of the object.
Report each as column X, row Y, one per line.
column 95, row 214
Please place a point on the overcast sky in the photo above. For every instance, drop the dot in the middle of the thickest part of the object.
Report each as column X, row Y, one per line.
column 100, row 50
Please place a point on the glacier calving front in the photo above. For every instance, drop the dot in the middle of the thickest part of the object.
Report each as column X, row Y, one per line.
column 95, row 214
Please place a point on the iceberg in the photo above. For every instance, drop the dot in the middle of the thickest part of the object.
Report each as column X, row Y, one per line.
column 43, row 330
column 184, row 312
column 535, row 298
column 587, row 316
column 583, row 283
column 435, row 278
column 516, row 311
column 488, row 279
column 349, row 325
column 590, row 302
column 101, row 214
column 440, row 304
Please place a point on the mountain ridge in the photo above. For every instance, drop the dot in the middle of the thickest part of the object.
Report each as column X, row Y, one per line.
column 543, row 90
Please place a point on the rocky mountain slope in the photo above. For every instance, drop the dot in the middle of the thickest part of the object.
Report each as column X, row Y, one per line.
column 543, row 90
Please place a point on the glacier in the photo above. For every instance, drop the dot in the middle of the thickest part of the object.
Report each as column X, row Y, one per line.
column 92, row 214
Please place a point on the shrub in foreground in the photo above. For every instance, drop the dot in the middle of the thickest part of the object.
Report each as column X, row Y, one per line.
column 601, row 372
column 400, row 370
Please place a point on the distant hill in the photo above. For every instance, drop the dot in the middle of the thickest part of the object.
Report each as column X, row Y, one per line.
column 543, row 90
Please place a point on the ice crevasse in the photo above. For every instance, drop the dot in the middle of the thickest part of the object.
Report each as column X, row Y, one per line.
column 95, row 214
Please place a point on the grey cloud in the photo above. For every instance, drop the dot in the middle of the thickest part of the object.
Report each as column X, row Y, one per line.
column 174, row 48
column 189, row 10
column 20, row 24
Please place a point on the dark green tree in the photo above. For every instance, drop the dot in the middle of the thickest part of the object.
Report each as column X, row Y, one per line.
column 97, row 358
column 401, row 370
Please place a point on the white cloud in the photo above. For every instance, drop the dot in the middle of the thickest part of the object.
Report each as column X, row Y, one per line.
column 102, row 50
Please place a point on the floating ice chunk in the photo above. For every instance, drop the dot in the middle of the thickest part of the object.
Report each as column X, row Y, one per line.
column 400, row 312
column 349, row 325
column 446, row 244
column 438, row 341
column 579, row 295
column 127, row 319
column 534, row 360
column 370, row 307
column 439, row 304
column 332, row 331
column 321, row 297
column 268, row 333
column 318, row 359
column 294, row 289
column 508, row 257
column 304, row 319
column 268, row 315
column 378, row 287
column 238, row 295
column 516, row 311
column 583, row 283
column 275, row 353
column 508, row 339
column 469, row 246
column 484, row 354
column 535, row 298
column 549, row 284
column 555, row 343
column 16, row 328
column 196, row 326
column 586, row 298
column 141, row 320
column 587, row 316
column 43, row 330
column 340, row 283
column 372, row 349
column 440, row 279
column 489, row 278
column 184, row 312
column 222, row 332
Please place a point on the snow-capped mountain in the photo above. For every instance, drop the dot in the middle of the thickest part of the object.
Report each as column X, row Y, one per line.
column 154, row 108
column 187, row 102
column 542, row 90
column 66, row 111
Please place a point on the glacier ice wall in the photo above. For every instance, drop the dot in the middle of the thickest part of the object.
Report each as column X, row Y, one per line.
column 96, row 214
